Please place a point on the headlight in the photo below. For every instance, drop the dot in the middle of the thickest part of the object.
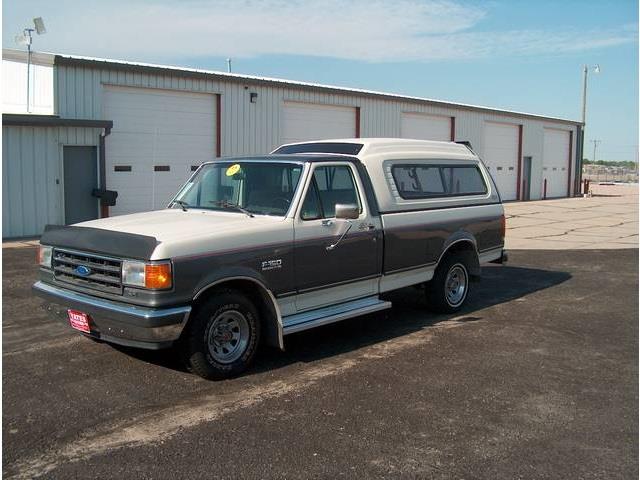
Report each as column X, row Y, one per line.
column 154, row 276
column 44, row 256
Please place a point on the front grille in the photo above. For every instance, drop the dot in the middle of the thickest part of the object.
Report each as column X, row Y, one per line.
column 105, row 274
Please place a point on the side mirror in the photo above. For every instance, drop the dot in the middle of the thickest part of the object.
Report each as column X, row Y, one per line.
column 348, row 211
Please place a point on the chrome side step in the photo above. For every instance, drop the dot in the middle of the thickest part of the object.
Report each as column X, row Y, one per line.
column 334, row 313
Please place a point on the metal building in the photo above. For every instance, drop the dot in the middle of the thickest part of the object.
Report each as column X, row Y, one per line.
column 140, row 130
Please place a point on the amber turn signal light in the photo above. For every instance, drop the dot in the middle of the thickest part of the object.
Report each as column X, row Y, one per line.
column 157, row 276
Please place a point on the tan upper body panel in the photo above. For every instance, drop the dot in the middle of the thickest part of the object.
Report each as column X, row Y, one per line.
column 379, row 155
column 197, row 232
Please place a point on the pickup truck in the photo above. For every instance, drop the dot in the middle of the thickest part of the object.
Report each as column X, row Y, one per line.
column 255, row 248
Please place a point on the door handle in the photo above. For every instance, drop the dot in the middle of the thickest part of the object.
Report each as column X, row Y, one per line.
column 366, row 226
column 327, row 223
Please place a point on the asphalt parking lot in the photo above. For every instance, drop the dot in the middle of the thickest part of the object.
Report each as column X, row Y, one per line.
column 537, row 378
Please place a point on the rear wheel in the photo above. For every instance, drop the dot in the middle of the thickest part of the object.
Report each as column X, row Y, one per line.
column 449, row 288
column 223, row 336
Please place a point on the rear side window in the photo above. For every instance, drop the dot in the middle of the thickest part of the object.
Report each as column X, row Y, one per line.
column 418, row 181
column 463, row 180
column 429, row 181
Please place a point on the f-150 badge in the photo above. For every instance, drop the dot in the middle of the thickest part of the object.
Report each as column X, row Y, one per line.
column 271, row 264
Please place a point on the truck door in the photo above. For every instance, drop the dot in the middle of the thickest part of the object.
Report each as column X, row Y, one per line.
column 332, row 266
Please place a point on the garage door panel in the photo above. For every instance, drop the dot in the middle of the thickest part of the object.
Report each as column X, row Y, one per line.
column 425, row 127
column 302, row 122
column 155, row 127
column 555, row 160
column 501, row 150
column 165, row 123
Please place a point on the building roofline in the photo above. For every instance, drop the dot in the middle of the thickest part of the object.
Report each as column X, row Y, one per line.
column 37, row 58
column 93, row 62
column 32, row 120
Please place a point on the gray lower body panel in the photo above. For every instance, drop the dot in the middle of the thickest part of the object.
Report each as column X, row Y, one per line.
column 333, row 313
column 116, row 322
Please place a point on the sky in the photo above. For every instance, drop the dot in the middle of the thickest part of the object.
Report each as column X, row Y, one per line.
column 519, row 55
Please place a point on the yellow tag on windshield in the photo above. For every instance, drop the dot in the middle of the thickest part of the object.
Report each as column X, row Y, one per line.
column 233, row 169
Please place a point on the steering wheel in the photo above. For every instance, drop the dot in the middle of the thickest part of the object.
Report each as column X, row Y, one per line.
column 284, row 200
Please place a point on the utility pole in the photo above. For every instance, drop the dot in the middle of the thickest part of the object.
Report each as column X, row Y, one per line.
column 595, row 147
column 229, row 65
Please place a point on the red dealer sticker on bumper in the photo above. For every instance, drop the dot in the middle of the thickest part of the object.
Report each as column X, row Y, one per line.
column 79, row 321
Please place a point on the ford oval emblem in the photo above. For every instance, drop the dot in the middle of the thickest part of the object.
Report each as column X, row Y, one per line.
column 83, row 270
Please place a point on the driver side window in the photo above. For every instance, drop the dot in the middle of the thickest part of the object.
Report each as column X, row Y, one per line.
column 330, row 185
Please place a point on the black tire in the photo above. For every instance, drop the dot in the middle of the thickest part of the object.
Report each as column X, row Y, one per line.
column 199, row 349
column 436, row 291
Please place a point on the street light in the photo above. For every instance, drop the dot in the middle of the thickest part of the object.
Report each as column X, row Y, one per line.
column 585, row 73
column 27, row 39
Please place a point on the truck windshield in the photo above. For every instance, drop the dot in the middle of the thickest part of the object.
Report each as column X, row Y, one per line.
column 259, row 188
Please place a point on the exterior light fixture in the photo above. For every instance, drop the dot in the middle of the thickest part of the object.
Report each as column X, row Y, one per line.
column 253, row 97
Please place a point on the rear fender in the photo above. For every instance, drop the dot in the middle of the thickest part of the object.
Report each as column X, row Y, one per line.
column 462, row 240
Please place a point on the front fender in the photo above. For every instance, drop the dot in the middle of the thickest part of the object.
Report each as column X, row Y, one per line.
column 253, row 283
column 227, row 273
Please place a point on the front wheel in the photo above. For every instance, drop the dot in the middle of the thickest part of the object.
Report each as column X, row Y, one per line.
column 449, row 287
column 223, row 336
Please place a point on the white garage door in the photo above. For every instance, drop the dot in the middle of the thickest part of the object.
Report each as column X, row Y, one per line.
column 307, row 121
column 425, row 127
column 555, row 161
column 157, row 136
column 501, row 142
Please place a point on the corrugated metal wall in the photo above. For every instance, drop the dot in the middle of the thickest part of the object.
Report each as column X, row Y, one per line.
column 32, row 176
column 33, row 156
column 253, row 128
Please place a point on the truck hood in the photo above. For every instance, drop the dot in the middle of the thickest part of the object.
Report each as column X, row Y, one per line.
column 172, row 225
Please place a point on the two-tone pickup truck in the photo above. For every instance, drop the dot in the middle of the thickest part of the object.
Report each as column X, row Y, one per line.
column 252, row 249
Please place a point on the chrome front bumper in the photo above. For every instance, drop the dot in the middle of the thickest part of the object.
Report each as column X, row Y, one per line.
column 117, row 322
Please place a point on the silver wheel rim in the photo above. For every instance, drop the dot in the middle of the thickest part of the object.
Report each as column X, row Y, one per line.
column 455, row 285
column 228, row 336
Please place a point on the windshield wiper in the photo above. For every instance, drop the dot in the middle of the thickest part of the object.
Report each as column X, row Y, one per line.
column 183, row 204
column 234, row 206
